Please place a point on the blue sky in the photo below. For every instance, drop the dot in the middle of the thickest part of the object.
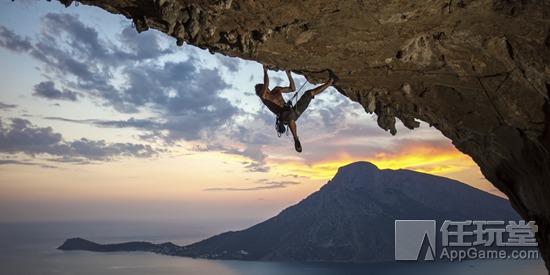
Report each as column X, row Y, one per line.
column 95, row 116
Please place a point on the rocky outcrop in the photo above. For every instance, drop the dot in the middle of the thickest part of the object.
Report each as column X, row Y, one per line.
column 478, row 71
column 82, row 244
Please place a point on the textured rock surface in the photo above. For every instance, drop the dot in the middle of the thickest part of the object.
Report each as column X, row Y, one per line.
column 476, row 70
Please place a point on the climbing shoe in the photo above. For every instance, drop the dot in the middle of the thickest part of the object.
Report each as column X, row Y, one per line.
column 297, row 145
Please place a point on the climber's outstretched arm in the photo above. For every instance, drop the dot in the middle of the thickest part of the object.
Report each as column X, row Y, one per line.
column 266, row 80
column 292, row 87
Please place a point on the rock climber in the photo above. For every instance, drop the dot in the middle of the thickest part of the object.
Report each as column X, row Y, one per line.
column 285, row 112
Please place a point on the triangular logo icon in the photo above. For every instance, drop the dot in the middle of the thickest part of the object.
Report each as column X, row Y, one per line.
column 415, row 240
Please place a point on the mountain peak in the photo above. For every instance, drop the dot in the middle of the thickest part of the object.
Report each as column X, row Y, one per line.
column 359, row 165
column 358, row 168
column 356, row 174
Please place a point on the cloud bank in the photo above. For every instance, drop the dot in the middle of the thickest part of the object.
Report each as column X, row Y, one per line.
column 20, row 136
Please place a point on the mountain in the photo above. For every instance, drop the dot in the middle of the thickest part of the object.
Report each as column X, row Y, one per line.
column 351, row 218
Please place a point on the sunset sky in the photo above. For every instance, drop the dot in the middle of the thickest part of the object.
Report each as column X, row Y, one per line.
column 98, row 122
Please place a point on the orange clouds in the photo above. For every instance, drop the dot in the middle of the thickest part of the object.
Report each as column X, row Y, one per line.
column 422, row 156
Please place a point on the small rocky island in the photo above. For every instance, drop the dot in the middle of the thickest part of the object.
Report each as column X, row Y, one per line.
column 167, row 248
column 82, row 244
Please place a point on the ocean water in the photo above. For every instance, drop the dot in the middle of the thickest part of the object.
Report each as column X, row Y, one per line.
column 31, row 249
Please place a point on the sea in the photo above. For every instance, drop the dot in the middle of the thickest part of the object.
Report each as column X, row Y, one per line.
column 31, row 248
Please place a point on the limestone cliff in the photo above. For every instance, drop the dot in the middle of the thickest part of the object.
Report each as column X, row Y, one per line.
column 476, row 70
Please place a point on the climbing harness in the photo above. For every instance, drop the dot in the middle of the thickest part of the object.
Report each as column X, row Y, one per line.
column 281, row 126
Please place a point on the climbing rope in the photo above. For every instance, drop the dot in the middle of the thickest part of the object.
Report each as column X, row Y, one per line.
column 296, row 93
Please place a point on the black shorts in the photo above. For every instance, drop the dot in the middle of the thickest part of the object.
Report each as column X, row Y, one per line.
column 293, row 113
